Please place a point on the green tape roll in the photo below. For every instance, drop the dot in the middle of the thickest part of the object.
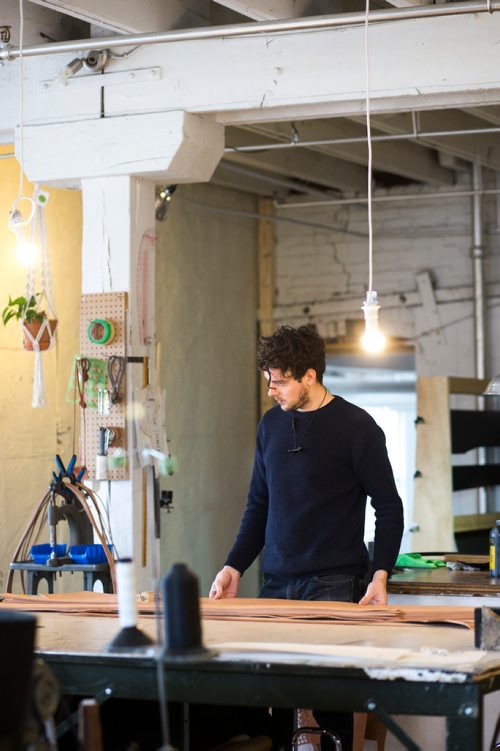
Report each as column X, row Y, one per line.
column 100, row 331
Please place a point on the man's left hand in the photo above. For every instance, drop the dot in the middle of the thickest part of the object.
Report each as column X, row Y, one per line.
column 376, row 592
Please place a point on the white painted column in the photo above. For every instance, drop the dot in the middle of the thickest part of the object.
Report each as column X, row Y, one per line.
column 116, row 213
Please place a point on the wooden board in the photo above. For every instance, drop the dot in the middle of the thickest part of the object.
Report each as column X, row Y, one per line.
column 432, row 505
column 111, row 306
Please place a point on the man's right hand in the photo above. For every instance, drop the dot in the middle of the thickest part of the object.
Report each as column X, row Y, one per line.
column 225, row 583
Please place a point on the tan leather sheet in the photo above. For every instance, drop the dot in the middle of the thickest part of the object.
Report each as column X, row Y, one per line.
column 93, row 603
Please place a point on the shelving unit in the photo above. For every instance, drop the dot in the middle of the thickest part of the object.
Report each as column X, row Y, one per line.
column 442, row 432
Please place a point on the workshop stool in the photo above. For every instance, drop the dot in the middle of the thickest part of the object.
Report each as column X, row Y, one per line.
column 368, row 727
column 308, row 731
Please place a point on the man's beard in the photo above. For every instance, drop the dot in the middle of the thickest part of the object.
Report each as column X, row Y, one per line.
column 303, row 400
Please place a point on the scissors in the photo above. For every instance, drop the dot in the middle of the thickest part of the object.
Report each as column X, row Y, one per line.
column 82, row 372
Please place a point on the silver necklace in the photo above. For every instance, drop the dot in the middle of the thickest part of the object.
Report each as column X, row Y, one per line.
column 298, row 448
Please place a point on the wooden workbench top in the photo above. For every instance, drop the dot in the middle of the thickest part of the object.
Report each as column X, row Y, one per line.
column 444, row 581
column 401, row 649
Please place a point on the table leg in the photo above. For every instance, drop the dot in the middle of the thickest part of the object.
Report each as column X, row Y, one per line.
column 464, row 733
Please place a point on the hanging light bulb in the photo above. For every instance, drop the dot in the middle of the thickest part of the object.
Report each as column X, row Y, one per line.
column 26, row 251
column 373, row 340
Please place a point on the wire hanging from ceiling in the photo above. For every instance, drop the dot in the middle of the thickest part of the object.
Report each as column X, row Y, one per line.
column 372, row 340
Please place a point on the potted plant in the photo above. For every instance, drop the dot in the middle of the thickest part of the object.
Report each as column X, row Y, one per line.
column 26, row 310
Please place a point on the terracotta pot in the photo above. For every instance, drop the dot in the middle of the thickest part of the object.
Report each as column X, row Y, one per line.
column 34, row 328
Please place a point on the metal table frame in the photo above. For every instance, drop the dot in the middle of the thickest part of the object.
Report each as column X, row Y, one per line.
column 273, row 684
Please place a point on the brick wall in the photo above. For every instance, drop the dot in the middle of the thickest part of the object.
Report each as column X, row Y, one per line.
column 322, row 273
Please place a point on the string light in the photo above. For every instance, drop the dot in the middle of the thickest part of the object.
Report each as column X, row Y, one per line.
column 373, row 340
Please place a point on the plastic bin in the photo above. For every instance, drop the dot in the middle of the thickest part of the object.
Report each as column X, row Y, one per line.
column 41, row 553
column 88, row 554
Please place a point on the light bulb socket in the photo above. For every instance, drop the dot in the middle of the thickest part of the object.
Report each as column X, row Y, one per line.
column 373, row 339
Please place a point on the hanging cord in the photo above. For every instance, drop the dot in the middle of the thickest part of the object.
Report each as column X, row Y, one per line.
column 43, row 298
column 21, row 99
column 15, row 216
column 370, row 158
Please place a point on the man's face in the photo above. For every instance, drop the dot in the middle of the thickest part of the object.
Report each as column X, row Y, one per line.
column 286, row 390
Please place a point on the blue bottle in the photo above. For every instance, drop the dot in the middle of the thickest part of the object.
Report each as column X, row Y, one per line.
column 495, row 550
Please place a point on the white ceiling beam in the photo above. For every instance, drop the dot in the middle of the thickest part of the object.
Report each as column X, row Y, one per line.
column 40, row 24
column 409, row 160
column 415, row 64
column 302, row 164
column 488, row 114
column 128, row 16
column 174, row 147
column 267, row 10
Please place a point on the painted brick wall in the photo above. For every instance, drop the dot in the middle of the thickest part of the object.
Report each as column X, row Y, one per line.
column 322, row 273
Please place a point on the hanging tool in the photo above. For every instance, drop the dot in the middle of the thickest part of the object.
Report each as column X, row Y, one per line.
column 82, row 367
column 116, row 367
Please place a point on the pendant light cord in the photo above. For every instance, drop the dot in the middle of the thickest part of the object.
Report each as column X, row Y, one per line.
column 21, row 99
column 370, row 159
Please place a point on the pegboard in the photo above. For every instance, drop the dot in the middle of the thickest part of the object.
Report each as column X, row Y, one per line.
column 111, row 306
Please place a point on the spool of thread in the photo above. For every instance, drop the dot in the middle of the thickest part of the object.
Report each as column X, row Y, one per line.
column 130, row 636
column 101, row 467
column 125, row 583
column 181, row 605
column 117, row 459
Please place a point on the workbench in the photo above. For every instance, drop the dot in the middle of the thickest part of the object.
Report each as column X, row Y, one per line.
column 423, row 586
column 391, row 668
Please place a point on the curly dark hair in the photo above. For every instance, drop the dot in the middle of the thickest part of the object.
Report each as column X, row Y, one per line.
column 293, row 351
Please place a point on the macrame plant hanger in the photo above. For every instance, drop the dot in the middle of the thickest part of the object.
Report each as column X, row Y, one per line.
column 44, row 301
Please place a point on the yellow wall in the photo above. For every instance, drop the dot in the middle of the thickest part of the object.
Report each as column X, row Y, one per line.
column 30, row 438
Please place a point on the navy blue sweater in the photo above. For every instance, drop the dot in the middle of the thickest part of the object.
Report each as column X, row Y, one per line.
column 307, row 509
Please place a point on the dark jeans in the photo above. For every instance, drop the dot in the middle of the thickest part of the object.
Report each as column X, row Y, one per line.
column 335, row 587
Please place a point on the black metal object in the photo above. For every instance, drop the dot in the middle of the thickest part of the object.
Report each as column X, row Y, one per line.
column 37, row 572
column 475, row 476
column 17, row 637
column 471, row 429
column 396, row 730
column 268, row 684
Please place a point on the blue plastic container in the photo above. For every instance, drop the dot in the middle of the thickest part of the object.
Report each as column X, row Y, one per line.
column 41, row 553
column 88, row 554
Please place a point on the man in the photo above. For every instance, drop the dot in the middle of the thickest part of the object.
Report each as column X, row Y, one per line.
column 317, row 459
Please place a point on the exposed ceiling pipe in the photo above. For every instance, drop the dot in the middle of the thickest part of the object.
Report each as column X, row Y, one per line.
column 360, row 139
column 313, row 23
column 477, row 254
column 385, row 199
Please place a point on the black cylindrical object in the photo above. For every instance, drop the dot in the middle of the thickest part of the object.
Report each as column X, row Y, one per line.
column 17, row 639
column 181, row 607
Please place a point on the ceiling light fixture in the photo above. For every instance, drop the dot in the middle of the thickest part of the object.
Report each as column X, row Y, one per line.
column 163, row 201
column 373, row 340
